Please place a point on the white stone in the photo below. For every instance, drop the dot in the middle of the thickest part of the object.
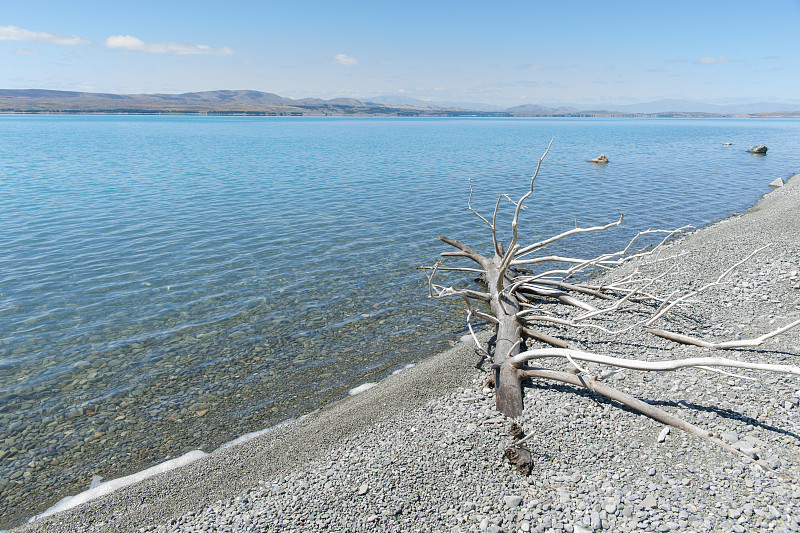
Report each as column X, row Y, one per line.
column 596, row 523
column 512, row 501
column 649, row 502
column 747, row 450
column 730, row 436
column 754, row 441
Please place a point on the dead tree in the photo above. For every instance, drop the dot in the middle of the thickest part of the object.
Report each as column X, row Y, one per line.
column 521, row 288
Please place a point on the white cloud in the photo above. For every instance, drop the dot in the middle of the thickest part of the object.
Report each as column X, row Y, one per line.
column 343, row 59
column 712, row 60
column 13, row 33
column 115, row 42
column 26, row 52
column 132, row 44
column 124, row 41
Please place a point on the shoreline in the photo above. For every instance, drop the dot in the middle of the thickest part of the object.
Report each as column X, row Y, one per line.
column 291, row 456
column 317, row 430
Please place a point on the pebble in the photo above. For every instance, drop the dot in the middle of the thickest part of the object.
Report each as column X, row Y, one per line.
column 649, row 502
column 512, row 501
column 747, row 450
column 730, row 436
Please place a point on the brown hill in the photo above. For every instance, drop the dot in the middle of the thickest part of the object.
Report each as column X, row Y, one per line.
column 256, row 102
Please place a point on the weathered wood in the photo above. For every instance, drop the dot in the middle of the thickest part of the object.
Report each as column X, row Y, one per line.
column 544, row 337
column 508, row 382
column 648, row 366
column 514, row 295
column 725, row 345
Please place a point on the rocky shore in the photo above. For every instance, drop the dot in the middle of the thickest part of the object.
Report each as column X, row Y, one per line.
column 423, row 451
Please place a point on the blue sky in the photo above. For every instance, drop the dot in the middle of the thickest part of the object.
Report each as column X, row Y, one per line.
column 507, row 53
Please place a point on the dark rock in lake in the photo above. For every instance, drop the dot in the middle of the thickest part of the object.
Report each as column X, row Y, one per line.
column 758, row 149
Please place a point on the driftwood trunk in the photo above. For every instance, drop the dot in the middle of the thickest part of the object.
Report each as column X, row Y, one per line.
column 512, row 292
column 508, row 343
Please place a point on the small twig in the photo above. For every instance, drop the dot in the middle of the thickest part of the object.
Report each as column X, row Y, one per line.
column 475, row 338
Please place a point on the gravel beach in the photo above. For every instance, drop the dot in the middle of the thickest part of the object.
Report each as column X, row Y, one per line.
column 423, row 450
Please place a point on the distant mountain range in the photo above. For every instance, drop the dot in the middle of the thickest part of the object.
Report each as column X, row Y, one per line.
column 690, row 106
column 261, row 103
column 397, row 99
column 209, row 101
column 658, row 106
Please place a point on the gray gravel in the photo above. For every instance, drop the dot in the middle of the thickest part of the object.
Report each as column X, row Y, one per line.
column 423, row 450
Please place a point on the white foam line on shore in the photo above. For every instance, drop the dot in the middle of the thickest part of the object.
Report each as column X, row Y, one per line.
column 409, row 365
column 366, row 386
column 253, row 434
column 115, row 484
column 107, row 487
column 361, row 388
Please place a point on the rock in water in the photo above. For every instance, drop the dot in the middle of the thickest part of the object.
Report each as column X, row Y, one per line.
column 601, row 160
column 758, row 149
column 728, row 143
column 778, row 182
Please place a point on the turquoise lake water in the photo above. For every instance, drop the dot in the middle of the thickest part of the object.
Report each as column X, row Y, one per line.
column 170, row 283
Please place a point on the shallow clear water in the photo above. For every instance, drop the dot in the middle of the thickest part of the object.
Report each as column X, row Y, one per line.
column 168, row 283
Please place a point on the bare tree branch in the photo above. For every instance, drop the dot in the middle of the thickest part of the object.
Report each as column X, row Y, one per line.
column 557, row 294
column 649, row 366
column 744, row 343
column 717, row 282
column 535, row 246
